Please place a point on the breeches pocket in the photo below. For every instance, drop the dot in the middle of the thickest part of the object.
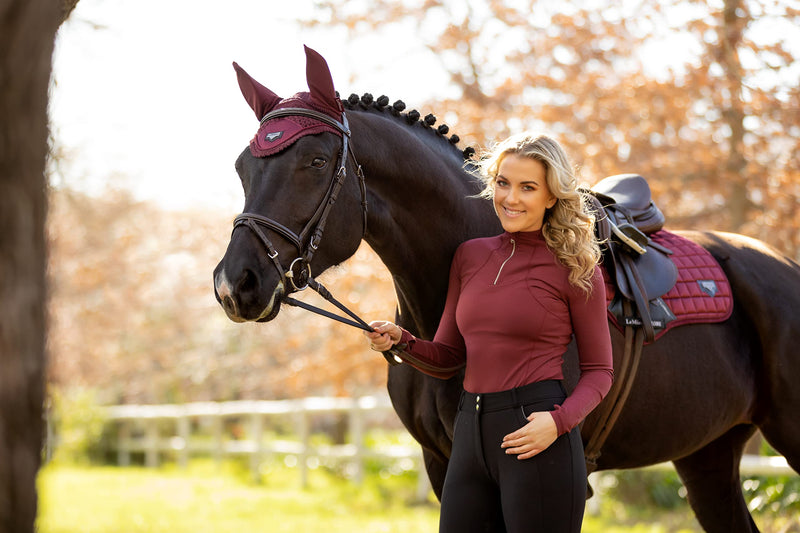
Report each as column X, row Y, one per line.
column 524, row 410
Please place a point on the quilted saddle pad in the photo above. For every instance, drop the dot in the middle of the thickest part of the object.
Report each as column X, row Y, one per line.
column 702, row 293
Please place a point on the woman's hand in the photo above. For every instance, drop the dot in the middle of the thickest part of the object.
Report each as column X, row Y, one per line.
column 533, row 438
column 385, row 335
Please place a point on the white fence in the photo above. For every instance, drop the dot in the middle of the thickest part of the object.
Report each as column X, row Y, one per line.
column 159, row 430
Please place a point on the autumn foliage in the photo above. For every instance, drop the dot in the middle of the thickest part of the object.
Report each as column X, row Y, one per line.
column 133, row 313
column 715, row 130
column 701, row 98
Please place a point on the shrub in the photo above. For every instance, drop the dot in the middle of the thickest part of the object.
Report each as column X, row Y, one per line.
column 78, row 427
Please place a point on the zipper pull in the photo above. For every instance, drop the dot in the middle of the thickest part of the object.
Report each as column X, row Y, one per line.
column 513, row 249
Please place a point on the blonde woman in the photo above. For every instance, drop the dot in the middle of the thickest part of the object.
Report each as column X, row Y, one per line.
column 514, row 302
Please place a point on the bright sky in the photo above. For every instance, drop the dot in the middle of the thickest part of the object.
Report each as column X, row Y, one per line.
column 149, row 101
column 146, row 97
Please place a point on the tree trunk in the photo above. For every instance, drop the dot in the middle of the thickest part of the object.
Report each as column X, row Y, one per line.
column 733, row 25
column 27, row 33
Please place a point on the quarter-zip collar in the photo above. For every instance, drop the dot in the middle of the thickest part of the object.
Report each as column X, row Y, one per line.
column 518, row 238
column 524, row 237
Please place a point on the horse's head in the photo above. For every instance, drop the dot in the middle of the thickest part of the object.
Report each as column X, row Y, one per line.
column 293, row 176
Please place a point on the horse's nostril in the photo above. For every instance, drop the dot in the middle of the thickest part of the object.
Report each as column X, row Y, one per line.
column 229, row 306
column 247, row 283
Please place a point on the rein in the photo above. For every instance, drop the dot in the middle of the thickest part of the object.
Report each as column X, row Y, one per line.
column 298, row 276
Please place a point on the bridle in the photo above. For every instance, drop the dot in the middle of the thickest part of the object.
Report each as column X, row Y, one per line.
column 298, row 276
column 299, row 271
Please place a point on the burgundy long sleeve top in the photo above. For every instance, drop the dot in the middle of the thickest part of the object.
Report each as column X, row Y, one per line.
column 509, row 316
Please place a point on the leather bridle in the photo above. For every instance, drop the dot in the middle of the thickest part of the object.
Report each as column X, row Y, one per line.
column 298, row 276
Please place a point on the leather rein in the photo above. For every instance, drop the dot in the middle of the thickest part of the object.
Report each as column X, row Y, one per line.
column 298, row 276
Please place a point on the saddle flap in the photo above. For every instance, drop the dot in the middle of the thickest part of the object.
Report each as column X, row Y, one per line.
column 660, row 314
column 656, row 271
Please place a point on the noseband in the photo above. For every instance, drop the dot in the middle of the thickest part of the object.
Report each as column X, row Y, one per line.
column 298, row 276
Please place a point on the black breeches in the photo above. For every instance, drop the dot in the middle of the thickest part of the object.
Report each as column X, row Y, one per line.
column 487, row 490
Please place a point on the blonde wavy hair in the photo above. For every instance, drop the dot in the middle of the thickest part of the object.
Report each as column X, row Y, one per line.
column 568, row 227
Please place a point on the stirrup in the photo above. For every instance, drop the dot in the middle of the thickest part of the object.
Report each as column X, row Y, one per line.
column 630, row 237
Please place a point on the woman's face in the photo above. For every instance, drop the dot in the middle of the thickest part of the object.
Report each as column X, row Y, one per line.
column 521, row 195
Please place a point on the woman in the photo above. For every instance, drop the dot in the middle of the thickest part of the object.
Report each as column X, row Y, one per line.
column 514, row 302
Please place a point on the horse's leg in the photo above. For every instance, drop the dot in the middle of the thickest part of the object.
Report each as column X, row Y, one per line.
column 711, row 477
column 782, row 431
column 427, row 407
column 436, row 470
column 778, row 394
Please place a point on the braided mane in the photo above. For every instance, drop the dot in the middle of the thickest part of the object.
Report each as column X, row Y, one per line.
column 367, row 102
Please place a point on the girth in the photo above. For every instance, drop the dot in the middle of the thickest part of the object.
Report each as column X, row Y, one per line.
column 643, row 272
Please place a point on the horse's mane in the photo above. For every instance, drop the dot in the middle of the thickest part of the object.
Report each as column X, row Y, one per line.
column 367, row 102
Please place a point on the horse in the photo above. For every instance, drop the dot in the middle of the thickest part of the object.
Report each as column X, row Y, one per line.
column 701, row 390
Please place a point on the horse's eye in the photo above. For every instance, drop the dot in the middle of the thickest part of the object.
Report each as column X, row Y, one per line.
column 319, row 162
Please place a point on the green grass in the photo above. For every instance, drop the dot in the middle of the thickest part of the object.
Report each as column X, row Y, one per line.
column 208, row 498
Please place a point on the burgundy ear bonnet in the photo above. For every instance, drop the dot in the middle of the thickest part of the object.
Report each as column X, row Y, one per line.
column 278, row 134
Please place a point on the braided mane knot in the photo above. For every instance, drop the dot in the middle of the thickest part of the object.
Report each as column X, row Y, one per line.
column 381, row 104
column 412, row 117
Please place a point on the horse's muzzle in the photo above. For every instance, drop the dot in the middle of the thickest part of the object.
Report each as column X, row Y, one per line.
column 231, row 302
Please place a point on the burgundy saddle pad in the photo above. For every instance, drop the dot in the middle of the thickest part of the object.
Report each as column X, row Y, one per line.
column 702, row 293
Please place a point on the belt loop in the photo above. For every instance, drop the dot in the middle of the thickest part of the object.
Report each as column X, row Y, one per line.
column 461, row 399
column 515, row 397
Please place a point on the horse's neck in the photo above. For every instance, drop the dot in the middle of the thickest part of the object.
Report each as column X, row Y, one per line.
column 421, row 207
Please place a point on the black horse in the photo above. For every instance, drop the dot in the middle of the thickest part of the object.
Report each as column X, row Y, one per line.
column 701, row 390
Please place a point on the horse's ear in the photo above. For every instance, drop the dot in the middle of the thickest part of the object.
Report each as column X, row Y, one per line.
column 260, row 99
column 320, row 82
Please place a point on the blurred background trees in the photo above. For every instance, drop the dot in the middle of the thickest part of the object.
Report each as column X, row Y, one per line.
column 133, row 312
column 701, row 98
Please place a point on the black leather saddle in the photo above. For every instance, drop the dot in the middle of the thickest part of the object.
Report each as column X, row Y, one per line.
column 641, row 269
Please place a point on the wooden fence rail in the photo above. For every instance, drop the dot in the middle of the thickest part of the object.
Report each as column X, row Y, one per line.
column 167, row 430
column 159, row 430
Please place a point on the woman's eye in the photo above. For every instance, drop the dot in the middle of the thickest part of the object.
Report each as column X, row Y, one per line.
column 319, row 162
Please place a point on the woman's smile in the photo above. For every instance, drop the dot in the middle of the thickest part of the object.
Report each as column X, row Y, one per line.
column 521, row 194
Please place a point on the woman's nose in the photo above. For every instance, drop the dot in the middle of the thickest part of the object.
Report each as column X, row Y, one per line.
column 512, row 195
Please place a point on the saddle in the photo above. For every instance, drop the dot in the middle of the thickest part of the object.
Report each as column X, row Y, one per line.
column 642, row 272
column 640, row 267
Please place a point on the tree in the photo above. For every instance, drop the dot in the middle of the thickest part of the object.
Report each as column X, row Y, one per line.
column 27, row 33
column 715, row 130
column 134, row 319
column 756, row 116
